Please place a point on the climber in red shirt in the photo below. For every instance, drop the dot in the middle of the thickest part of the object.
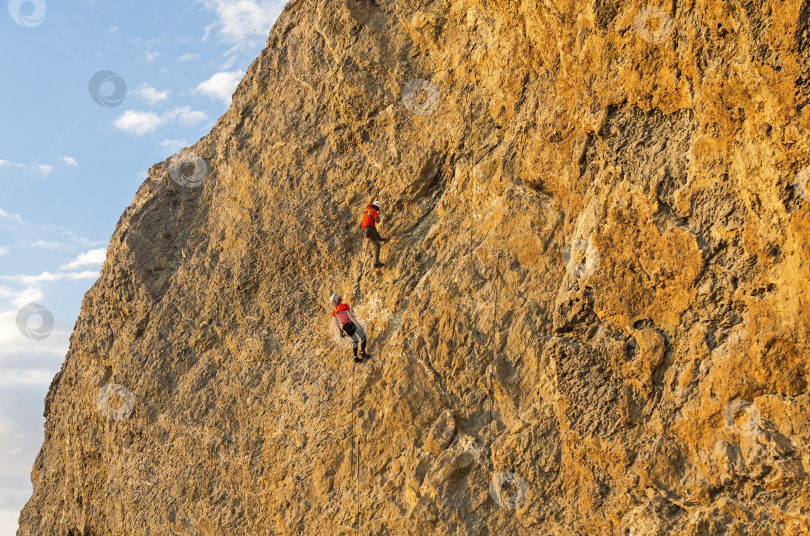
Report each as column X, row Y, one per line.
column 368, row 227
column 347, row 324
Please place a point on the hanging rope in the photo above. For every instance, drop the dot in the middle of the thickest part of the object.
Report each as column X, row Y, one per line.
column 489, row 446
column 357, row 479
column 354, row 436
column 356, row 441
column 489, row 383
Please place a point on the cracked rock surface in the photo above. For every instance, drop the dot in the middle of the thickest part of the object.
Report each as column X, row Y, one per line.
column 593, row 317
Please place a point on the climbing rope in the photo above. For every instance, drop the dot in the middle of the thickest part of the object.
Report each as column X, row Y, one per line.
column 489, row 446
column 491, row 372
column 357, row 478
column 354, row 440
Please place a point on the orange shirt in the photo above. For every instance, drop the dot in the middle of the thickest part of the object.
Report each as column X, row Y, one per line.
column 369, row 217
column 342, row 312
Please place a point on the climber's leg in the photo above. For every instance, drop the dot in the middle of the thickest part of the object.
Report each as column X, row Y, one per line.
column 358, row 339
column 362, row 335
column 374, row 238
column 355, row 345
column 379, row 237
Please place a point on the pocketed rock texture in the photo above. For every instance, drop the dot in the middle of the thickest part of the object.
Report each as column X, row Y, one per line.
column 593, row 317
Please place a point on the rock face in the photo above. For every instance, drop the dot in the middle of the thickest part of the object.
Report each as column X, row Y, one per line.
column 593, row 318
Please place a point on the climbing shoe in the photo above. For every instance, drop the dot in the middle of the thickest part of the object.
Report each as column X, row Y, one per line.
column 364, row 355
column 358, row 359
column 379, row 265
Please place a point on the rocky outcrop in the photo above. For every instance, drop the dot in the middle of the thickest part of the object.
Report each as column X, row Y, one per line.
column 592, row 319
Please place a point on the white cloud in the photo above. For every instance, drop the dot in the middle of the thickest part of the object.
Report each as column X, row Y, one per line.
column 173, row 146
column 43, row 169
column 139, row 123
column 15, row 344
column 70, row 238
column 48, row 277
column 186, row 116
column 26, row 295
column 45, row 244
column 149, row 56
column 244, row 22
column 6, row 292
column 221, row 86
column 13, row 217
column 228, row 63
column 9, row 163
column 19, row 289
column 70, row 161
column 89, row 258
column 152, row 95
column 113, row 29
column 29, row 288
column 189, row 57
column 26, row 377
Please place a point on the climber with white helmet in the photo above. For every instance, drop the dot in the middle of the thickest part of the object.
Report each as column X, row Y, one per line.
column 368, row 227
column 347, row 324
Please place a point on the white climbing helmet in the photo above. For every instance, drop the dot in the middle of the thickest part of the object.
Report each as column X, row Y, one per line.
column 375, row 204
column 335, row 299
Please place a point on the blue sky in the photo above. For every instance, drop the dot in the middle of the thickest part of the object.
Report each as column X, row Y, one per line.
column 72, row 157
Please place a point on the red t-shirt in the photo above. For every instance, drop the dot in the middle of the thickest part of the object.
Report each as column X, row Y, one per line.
column 342, row 312
column 369, row 217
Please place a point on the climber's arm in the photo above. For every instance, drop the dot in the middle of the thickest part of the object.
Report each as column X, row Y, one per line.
column 375, row 197
column 339, row 327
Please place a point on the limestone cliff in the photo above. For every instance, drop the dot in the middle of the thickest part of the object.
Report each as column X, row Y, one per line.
column 593, row 318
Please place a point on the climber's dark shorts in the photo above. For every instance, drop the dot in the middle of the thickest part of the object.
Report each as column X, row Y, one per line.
column 349, row 328
column 357, row 334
